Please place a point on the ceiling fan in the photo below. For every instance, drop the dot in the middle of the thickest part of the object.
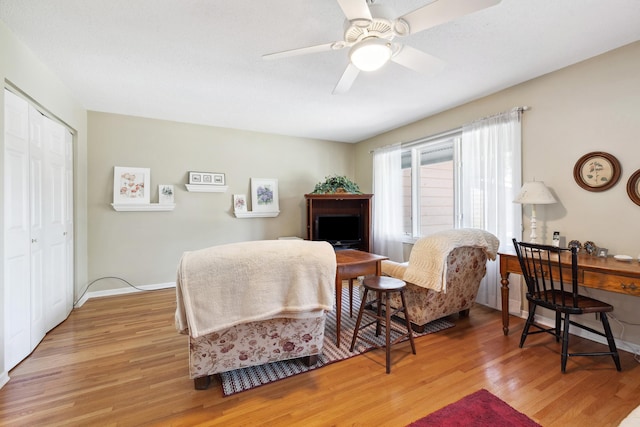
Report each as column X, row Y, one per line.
column 370, row 33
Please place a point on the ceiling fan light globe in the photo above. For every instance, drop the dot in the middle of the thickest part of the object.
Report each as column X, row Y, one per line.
column 370, row 54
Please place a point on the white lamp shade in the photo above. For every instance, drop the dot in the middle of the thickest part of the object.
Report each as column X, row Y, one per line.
column 535, row 193
column 370, row 54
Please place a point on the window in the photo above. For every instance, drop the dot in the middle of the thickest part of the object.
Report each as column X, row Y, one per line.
column 429, row 190
column 466, row 177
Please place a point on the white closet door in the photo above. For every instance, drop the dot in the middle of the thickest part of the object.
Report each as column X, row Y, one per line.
column 38, row 240
column 17, row 289
column 68, row 220
column 37, row 233
column 55, row 218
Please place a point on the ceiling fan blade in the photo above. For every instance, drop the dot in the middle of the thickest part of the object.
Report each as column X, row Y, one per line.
column 347, row 79
column 304, row 50
column 417, row 60
column 355, row 10
column 442, row 11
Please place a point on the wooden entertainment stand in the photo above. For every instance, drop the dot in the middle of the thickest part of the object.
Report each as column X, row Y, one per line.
column 341, row 204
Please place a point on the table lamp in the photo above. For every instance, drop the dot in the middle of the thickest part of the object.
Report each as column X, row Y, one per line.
column 534, row 193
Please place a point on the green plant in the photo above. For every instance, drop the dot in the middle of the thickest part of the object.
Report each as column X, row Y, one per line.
column 336, row 184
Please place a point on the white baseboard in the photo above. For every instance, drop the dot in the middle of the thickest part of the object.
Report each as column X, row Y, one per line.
column 4, row 378
column 515, row 307
column 123, row 290
column 573, row 330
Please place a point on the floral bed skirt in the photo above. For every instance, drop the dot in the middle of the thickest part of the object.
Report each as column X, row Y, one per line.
column 255, row 343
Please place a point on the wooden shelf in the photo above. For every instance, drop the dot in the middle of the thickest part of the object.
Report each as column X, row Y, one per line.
column 256, row 214
column 204, row 188
column 150, row 207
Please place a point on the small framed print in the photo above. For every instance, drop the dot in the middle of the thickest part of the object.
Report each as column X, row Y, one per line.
column 195, row 178
column 131, row 185
column 165, row 194
column 218, row 179
column 633, row 187
column 602, row 252
column 206, row 178
column 264, row 195
column 239, row 203
column 597, row 171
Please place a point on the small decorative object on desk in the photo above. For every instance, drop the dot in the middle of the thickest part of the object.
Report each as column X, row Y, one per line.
column 575, row 243
column 165, row 194
column 602, row 252
column 624, row 258
column 589, row 247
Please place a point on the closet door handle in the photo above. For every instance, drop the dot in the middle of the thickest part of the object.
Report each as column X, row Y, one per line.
column 34, row 240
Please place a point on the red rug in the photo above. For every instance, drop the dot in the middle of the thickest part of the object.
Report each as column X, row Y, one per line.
column 478, row 409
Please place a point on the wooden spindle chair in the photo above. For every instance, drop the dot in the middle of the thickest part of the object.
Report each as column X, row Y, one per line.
column 556, row 288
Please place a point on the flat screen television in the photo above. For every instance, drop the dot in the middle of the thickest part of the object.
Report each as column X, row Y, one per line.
column 338, row 229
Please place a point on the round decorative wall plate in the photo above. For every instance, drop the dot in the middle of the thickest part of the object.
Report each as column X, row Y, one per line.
column 633, row 188
column 597, row 171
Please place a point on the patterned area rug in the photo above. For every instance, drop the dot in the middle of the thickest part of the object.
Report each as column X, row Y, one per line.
column 479, row 409
column 248, row 378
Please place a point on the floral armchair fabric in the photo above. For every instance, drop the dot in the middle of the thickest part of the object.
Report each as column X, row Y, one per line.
column 250, row 303
column 252, row 344
column 466, row 266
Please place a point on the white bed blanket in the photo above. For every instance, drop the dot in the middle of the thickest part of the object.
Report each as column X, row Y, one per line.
column 226, row 285
column 428, row 259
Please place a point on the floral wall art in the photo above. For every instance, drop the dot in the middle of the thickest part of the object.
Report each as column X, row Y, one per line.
column 264, row 195
column 239, row 203
column 131, row 185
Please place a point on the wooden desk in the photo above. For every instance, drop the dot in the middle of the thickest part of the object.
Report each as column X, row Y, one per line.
column 607, row 274
column 353, row 263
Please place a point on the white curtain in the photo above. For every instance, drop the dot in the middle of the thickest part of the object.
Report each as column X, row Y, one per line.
column 387, row 202
column 490, row 153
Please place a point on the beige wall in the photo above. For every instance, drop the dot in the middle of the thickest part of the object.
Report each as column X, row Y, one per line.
column 590, row 106
column 23, row 71
column 587, row 107
column 145, row 247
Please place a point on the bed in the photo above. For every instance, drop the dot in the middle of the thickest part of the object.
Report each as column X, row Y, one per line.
column 250, row 303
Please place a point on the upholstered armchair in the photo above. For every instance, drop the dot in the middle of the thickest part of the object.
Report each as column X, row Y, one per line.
column 443, row 273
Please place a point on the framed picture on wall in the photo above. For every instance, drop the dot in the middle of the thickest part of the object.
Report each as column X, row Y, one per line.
column 195, row 178
column 131, row 185
column 217, row 179
column 633, row 187
column 597, row 171
column 165, row 194
column 239, row 203
column 206, row 178
column 264, row 195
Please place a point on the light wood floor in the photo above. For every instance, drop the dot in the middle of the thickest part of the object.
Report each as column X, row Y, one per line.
column 119, row 361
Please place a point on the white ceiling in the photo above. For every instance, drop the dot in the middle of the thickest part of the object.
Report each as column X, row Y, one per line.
column 199, row 61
